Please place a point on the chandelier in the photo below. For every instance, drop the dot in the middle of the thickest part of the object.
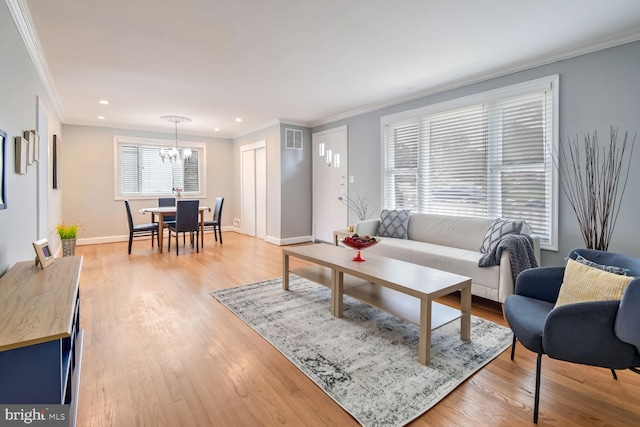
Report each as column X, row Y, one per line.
column 172, row 154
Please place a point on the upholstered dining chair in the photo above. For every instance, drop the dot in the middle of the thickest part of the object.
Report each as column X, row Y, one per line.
column 164, row 202
column 547, row 316
column 186, row 221
column 150, row 229
column 217, row 219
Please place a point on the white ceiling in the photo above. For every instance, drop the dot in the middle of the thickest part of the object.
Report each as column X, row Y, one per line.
column 299, row 61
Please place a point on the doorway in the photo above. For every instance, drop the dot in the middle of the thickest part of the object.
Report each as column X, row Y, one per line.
column 329, row 182
column 253, row 177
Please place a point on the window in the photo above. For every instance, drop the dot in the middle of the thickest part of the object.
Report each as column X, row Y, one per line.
column 487, row 155
column 140, row 171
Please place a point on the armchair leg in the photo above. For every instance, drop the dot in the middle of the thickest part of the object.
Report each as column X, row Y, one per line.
column 615, row 376
column 536, row 403
column 513, row 347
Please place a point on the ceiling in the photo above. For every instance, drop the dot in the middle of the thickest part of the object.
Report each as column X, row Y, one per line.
column 298, row 61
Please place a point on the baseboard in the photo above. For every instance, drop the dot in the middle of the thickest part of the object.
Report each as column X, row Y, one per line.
column 125, row 237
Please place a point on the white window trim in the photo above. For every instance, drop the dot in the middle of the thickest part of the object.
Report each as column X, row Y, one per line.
column 545, row 83
column 117, row 140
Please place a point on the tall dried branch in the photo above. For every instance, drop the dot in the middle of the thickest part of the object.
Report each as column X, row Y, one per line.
column 595, row 186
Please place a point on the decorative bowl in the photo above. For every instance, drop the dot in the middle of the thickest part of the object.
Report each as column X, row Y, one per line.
column 357, row 243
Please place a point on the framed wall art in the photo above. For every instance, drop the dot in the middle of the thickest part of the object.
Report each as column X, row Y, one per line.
column 56, row 161
column 3, row 166
column 30, row 136
column 22, row 155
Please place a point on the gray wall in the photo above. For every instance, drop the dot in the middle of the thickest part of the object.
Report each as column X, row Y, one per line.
column 288, row 182
column 296, row 186
column 596, row 90
column 88, row 182
column 20, row 86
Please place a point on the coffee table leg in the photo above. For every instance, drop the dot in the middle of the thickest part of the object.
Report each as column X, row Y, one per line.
column 465, row 311
column 424, row 343
column 285, row 271
column 337, row 292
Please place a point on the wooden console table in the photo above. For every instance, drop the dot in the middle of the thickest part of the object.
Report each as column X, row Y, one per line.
column 40, row 335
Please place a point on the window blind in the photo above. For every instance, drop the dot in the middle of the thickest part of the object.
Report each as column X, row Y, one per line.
column 486, row 158
column 140, row 171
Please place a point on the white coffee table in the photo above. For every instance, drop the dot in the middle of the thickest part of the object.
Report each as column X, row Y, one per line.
column 403, row 289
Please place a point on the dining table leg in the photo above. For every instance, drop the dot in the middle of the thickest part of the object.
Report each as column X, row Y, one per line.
column 161, row 231
column 202, row 229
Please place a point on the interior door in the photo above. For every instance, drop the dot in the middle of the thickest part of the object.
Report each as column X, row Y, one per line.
column 329, row 182
column 261, row 192
column 248, row 208
column 253, row 176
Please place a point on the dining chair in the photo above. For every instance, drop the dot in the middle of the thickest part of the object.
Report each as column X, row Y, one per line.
column 217, row 220
column 186, row 221
column 164, row 202
column 150, row 229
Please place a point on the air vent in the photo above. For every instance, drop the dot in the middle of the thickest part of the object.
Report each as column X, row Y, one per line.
column 293, row 139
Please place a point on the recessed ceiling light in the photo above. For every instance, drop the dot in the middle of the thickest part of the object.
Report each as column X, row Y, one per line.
column 216, row 129
column 238, row 119
column 103, row 102
column 101, row 117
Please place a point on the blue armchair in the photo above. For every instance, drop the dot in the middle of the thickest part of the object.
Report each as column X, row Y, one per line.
column 601, row 333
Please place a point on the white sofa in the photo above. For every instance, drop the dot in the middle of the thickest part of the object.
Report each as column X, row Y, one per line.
column 452, row 244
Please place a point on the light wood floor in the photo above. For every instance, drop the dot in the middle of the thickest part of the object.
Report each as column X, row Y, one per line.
column 160, row 351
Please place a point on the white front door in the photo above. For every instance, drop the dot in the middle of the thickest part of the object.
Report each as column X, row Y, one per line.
column 329, row 182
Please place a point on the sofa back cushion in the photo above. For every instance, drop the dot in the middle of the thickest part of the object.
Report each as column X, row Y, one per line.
column 455, row 231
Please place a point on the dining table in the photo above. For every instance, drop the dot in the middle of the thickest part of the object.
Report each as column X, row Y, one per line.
column 163, row 211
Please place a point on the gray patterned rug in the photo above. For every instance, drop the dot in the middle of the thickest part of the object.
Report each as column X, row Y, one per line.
column 366, row 361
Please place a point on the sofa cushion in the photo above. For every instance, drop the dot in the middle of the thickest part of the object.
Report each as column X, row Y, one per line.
column 394, row 223
column 582, row 283
column 497, row 230
column 455, row 231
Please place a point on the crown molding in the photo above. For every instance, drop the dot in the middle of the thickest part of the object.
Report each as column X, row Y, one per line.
column 22, row 18
column 617, row 40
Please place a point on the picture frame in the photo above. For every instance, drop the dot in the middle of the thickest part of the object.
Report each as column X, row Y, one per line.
column 29, row 135
column 3, row 163
column 43, row 252
column 35, row 138
column 56, row 161
column 22, row 155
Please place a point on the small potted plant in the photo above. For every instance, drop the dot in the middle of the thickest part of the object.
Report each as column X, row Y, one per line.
column 68, row 234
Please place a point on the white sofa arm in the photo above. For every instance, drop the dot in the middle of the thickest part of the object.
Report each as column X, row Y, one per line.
column 368, row 227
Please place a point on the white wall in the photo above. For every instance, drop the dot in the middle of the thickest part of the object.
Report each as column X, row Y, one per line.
column 87, row 181
column 19, row 88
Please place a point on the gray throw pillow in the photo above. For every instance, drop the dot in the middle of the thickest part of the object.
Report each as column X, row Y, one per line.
column 394, row 223
column 498, row 229
column 608, row 268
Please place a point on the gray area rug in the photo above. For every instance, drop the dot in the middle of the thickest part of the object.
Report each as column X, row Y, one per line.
column 366, row 361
